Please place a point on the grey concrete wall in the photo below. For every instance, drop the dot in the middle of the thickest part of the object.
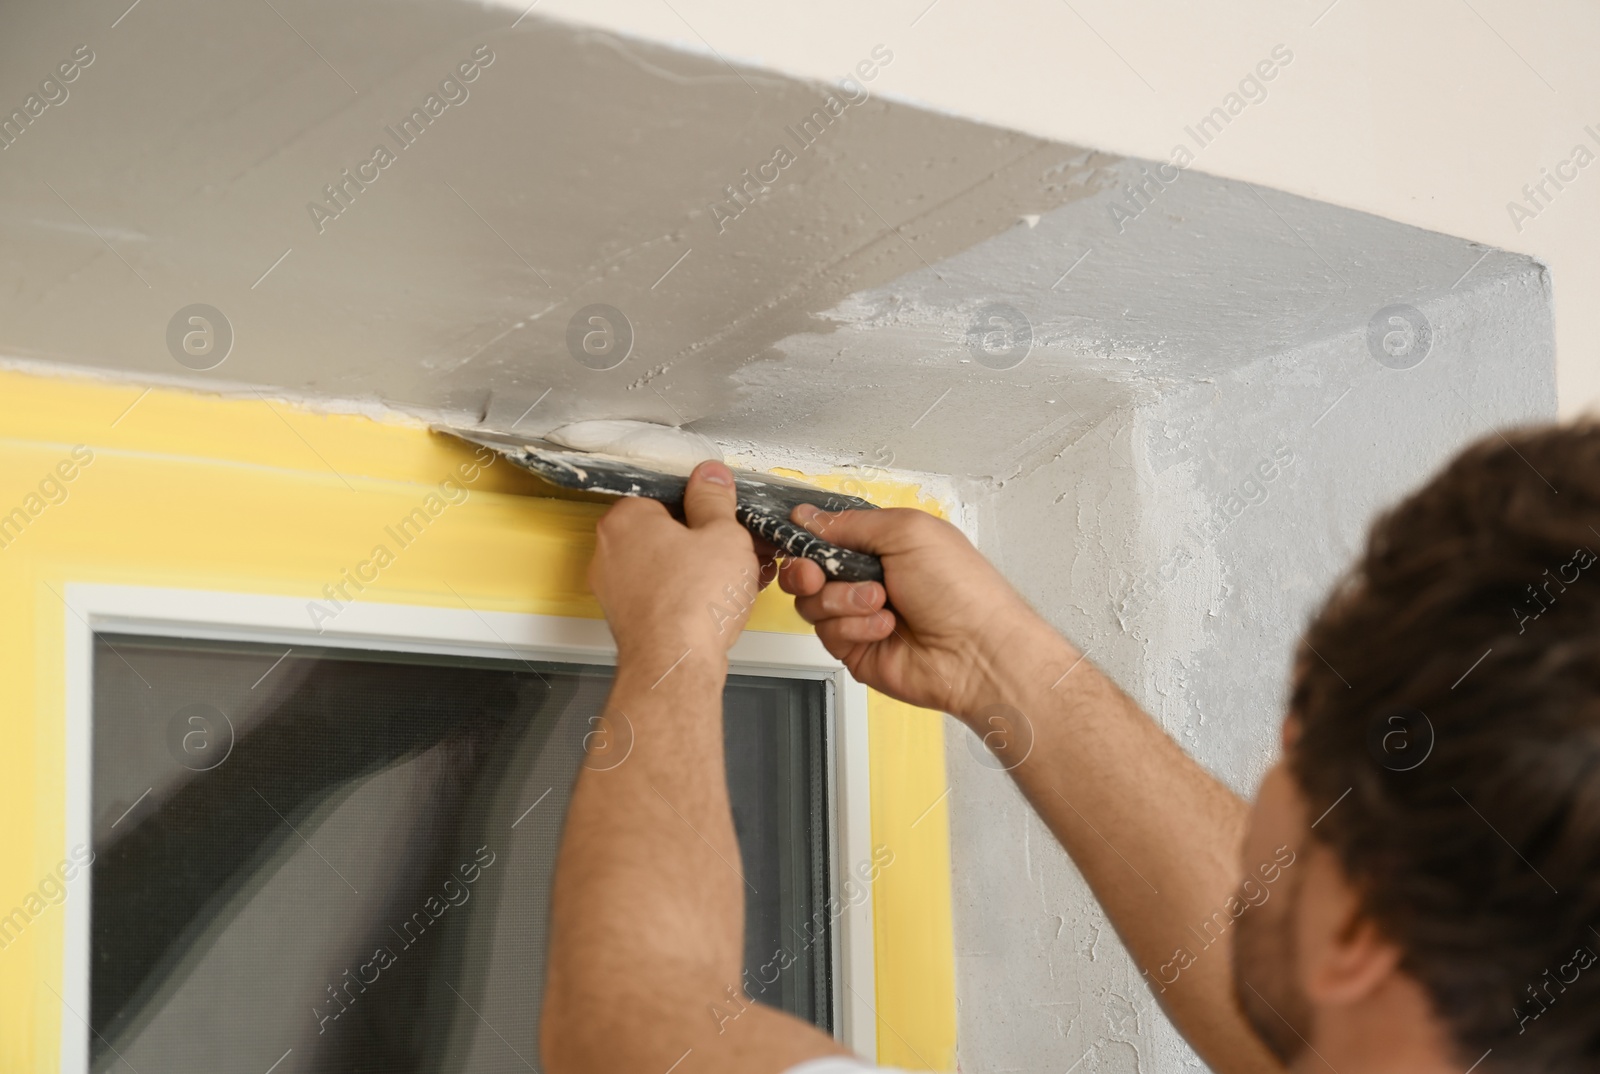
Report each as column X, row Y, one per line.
column 1128, row 541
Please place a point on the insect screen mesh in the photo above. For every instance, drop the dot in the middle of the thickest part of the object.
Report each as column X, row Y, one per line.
column 342, row 859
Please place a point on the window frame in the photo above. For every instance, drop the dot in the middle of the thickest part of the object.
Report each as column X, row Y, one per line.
column 226, row 615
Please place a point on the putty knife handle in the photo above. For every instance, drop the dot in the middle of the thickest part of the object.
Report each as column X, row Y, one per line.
column 839, row 564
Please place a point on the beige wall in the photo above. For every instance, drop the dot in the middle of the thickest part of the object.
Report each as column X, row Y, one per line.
column 1431, row 112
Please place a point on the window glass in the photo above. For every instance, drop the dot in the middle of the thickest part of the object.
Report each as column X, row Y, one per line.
column 342, row 859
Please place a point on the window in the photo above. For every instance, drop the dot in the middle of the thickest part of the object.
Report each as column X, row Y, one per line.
column 349, row 853
column 323, row 849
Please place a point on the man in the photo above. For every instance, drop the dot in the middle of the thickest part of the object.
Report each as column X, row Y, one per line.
column 1421, row 870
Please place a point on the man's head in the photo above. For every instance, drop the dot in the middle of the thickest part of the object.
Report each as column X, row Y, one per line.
column 1442, row 775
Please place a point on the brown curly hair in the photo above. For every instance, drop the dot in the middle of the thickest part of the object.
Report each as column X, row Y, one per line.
column 1470, row 629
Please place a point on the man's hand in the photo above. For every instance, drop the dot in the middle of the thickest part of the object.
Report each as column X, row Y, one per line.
column 952, row 622
column 666, row 587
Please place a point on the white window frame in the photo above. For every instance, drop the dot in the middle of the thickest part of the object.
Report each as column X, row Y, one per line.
column 252, row 617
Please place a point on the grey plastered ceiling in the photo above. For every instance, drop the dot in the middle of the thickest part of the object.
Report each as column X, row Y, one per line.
column 579, row 168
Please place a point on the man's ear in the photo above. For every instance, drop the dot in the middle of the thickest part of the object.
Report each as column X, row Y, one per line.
column 1344, row 958
column 1290, row 732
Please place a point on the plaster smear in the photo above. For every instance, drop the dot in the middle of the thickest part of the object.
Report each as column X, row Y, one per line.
column 662, row 447
column 1223, row 277
column 577, row 169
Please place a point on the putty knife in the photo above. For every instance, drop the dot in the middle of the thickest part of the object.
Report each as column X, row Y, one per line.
column 764, row 500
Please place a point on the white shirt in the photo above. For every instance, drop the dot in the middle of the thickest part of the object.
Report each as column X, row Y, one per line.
column 839, row 1064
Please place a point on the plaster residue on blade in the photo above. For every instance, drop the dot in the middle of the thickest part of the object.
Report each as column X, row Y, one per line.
column 611, row 475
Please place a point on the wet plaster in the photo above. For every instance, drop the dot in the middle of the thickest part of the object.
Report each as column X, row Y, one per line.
column 1183, row 339
column 576, row 168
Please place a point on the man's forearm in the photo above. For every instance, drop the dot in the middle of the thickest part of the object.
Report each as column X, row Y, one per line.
column 1155, row 835
column 647, row 922
column 647, row 918
column 648, row 908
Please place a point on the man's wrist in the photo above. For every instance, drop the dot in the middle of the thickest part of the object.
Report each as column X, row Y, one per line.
column 1019, row 671
column 651, row 663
